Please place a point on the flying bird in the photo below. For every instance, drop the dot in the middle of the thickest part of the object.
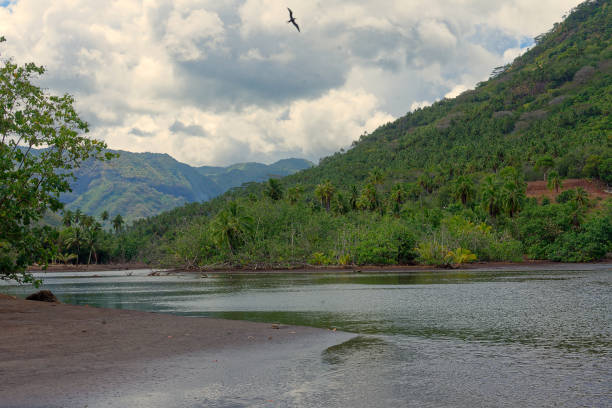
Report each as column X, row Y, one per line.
column 292, row 19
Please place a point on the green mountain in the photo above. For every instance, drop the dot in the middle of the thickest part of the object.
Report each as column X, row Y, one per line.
column 441, row 185
column 138, row 185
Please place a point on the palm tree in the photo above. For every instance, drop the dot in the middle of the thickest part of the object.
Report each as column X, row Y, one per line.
column 413, row 191
column 117, row 223
column 491, row 196
column 339, row 205
column 104, row 216
column 77, row 216
column 464, row 189
column 354, row 197
column 65, row 258
column 398, row 194
column 231, row 227
column 67, row 218
column 445, row 170
column 295, row 193
column 87, row 221
column 581, row 198
column 274, row 189
column 544, row 163
column 368, row 200
column 510, row 174
column 376, row 176
column 554, row 181
column 75, row 239
column 324, row 192
column 497, row 160
column 426, row 182
column 512, row 198
column 397, row 197
column 460, row 256
column 91, row 239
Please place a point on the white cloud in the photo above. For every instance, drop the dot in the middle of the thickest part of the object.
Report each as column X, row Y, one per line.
column 264, row 15
column 216, row 82
column 312, row 128
column 419, row 104
column 436, row 34
column 528, row 17
column 189, row 33
column 255, row 54
column 456, row 91
column 511, row 53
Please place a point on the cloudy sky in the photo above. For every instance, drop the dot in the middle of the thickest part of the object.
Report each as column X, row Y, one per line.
column 222, row 81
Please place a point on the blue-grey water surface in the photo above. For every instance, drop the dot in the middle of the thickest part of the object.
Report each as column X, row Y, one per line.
column 424, row 339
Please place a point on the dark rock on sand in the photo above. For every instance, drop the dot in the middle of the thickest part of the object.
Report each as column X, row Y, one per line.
column 43, row 296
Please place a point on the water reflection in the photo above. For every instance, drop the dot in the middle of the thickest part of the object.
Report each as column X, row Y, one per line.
column 373, row 347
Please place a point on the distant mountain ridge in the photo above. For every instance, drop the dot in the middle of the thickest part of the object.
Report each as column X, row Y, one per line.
column 239, row 173
column 138, row 185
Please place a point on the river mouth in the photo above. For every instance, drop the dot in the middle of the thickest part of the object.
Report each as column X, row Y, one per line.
column 444, row 338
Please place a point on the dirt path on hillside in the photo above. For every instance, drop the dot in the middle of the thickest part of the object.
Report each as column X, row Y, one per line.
column 595, row 188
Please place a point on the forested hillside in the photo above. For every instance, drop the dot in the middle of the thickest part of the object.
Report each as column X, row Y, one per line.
column 555, row 100
column 138, row 185
column 442, row 185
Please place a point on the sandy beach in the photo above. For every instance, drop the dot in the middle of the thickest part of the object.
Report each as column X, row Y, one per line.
column 62, row 355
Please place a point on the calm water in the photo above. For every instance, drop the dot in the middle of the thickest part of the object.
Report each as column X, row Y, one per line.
column 427, row 339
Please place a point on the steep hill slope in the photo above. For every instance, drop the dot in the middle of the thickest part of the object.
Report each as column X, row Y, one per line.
column 555, row 99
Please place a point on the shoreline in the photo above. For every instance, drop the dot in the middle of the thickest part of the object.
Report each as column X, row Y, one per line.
column 476, row 266
column 311, row 269
column 55, row 352
column 92, row 267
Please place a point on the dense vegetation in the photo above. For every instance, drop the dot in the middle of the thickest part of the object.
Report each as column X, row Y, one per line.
column 443, row 185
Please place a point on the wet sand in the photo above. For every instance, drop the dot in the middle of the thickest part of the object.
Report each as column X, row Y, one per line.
column 64, row 355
